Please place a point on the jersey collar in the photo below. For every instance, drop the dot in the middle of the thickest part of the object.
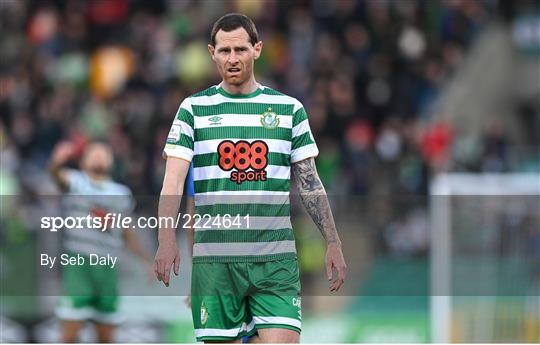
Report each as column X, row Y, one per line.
column 255, row 93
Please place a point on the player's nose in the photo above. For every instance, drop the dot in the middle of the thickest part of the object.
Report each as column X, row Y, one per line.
column 233, row 58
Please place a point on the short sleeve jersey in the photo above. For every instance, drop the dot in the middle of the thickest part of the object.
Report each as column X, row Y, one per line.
column 241, row 148
column 86, row 197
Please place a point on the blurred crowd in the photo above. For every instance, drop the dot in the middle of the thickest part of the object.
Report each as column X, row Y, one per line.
column 366, row 72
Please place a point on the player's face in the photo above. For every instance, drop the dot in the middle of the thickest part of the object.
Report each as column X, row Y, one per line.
column 97, row 159
column 234, row 56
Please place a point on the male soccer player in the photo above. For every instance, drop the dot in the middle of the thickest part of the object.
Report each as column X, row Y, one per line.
column 91, row 292
column 243, row 139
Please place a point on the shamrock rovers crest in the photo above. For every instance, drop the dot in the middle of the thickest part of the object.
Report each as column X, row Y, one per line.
column 269, row 119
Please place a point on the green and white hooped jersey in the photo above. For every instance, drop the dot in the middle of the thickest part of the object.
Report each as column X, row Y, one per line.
column 95, row 198
column 241, row 147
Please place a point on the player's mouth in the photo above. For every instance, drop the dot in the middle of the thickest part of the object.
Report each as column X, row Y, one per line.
column 233, row 70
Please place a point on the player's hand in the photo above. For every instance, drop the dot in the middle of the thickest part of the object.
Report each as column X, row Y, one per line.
column 187, row 301
column 63, row 152
column 167, row 256
column 334, row 259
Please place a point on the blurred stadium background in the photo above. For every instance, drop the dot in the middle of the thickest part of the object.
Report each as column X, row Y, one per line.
column 402, row 95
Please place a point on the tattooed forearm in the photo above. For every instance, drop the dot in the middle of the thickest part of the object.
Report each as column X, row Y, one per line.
column 315, row 199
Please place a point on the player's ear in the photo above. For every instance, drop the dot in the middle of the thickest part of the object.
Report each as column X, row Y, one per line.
column 258, row 49
column 211, row 50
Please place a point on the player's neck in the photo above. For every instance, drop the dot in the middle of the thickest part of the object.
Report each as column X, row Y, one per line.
column 246, row 88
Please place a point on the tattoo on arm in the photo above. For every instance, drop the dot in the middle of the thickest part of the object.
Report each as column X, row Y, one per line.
column 314, row 198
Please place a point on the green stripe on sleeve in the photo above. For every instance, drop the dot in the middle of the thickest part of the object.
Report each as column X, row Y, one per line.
column 185, row 116
column 301, row 140
column 299, row 116
column 184, row 141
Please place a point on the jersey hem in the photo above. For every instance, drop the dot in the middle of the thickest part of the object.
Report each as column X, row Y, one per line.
column 248, row 258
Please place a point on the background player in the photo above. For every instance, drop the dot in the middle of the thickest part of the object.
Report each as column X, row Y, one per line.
column 236, row 104
column 91, row 292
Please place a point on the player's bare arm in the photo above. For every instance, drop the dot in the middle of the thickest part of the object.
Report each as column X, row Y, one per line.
column 61, row 155
column 315, row 200
column 168, row 254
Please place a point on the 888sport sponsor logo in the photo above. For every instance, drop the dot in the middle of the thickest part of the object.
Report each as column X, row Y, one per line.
column 248, row 161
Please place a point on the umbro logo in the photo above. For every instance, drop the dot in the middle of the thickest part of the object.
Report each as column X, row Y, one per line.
column 215, row 120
